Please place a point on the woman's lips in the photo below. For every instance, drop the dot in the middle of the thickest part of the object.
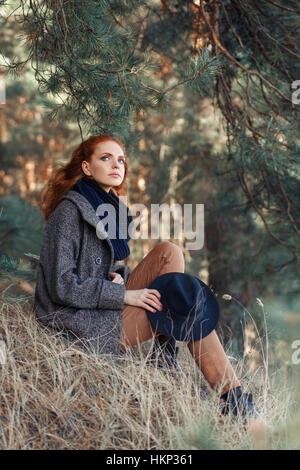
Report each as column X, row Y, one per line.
column 114, row 175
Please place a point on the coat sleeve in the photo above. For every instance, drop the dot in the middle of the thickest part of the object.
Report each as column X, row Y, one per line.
column 58, row 259
column 123, row 270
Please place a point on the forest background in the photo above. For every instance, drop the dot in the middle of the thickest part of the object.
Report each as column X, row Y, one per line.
column 204, row 95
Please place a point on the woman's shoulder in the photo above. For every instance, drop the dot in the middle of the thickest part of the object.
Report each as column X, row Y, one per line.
column 64, row 208
column 65, row 214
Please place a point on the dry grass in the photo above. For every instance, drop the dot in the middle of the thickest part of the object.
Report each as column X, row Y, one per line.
column 56, row 396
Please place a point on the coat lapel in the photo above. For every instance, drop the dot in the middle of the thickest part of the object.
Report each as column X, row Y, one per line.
column 89, row 215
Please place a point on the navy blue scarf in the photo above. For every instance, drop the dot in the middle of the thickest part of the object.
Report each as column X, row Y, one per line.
column 96, row 195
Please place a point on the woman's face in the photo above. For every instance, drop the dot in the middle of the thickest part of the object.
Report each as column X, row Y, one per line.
column 108, row 158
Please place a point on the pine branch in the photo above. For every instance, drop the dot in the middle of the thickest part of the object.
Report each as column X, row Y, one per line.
column 235, row 61
column 250, row 196
column 291, row 10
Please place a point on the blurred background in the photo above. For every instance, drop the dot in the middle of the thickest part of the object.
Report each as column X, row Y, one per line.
column 204, row 97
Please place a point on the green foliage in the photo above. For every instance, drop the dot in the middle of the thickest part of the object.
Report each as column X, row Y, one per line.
column 204, row 68
column 21, row 228
column 21, row 231
column 88, row 60
column 15, row 268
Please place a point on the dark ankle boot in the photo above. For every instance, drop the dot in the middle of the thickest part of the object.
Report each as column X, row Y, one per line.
column 238, row 403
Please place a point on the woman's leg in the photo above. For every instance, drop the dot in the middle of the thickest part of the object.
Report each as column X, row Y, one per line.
column 136, row 327
column 163, row 258
column 213, row 362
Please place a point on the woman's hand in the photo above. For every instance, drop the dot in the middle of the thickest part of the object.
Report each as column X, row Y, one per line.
column 144, row 298
column 117, row 278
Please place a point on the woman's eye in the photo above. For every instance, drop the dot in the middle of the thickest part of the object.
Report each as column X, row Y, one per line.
column 106, row 156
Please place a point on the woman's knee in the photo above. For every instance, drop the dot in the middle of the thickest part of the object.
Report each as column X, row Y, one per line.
column 169, row 249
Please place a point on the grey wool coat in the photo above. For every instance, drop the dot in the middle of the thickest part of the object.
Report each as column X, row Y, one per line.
column 74, row 292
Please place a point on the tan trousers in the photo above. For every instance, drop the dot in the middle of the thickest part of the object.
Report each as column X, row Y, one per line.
column 163, row 258
column 136, row 328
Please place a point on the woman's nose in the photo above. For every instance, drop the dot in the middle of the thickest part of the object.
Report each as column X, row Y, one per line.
column 116, row 164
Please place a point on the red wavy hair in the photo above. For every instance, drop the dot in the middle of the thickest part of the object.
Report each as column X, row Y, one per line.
column 67, row 175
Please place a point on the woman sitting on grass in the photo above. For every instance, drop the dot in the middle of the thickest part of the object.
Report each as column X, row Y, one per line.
column 81, row 290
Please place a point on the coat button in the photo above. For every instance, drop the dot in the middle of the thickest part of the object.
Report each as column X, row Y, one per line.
column 98, row 260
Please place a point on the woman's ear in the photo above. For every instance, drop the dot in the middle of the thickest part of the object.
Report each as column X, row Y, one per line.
column 85, row 168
